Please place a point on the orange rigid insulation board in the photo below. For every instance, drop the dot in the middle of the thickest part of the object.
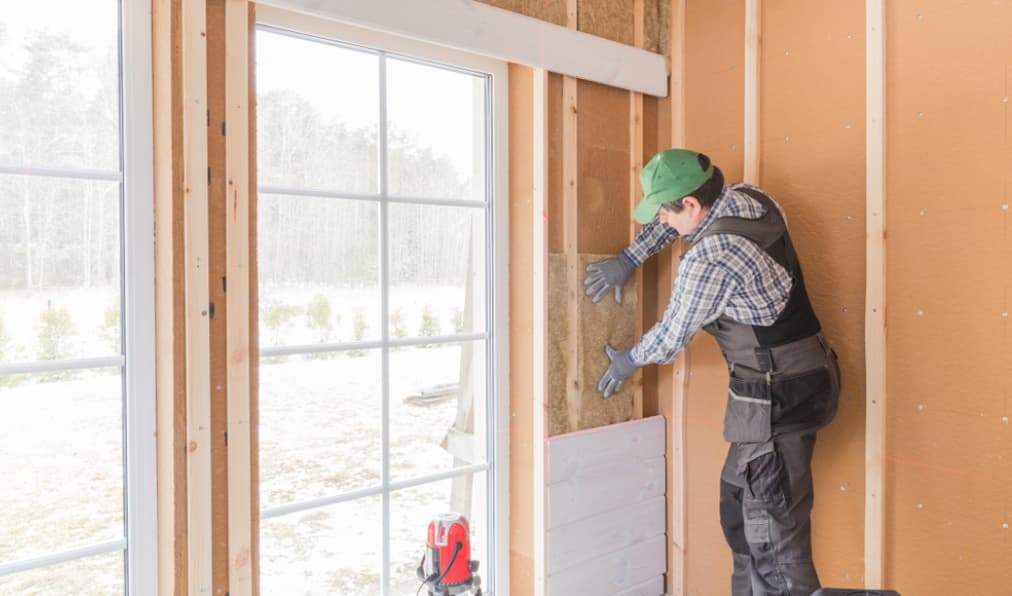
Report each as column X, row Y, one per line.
column 714, row 92
column 949, row 266
column 812, row 160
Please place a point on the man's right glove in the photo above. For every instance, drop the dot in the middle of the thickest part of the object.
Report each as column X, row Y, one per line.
column 607, row 274
column 620, row 369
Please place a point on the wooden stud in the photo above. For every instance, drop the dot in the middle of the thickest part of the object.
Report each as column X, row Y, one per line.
column 875, row 298
column 540, row 335
column 198, row 361
column 674, row 410
column 171, row 464
column 570, row 238
column 635, row 193
column 753, row 50
column 237, row 150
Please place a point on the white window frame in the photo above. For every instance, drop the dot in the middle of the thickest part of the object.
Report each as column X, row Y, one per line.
column 137, row 362
column 495, row 574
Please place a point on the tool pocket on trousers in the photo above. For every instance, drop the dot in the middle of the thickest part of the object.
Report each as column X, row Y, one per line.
column 747, row 418
column 805, row 398
column 768, row 484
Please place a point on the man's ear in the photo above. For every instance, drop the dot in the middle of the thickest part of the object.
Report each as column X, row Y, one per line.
column 692, row 202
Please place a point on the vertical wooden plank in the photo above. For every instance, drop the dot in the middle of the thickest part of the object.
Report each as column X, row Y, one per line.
column 198, row 387
column 169, row 348
column 539, row 209
column 674, row 410
column 570, row 233
column 237, row 153
column 254, row 315
column 753, row 48
column 635, row 193
column 875, row 330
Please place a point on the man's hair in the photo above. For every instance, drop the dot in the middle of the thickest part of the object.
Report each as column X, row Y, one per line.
column 707, row 194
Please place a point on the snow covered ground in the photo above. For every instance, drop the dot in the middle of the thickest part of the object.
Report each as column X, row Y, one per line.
column 320, row 435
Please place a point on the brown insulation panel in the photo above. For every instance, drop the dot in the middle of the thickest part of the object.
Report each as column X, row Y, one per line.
column 812, row 160
column 553, row 11
column 714, row 96
column 603, row 168
column 603, row 323
column 609, row 19
column 949, row 264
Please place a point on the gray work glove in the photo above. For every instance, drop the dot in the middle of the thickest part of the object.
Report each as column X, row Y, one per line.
column 607, row 274
column 621, row 368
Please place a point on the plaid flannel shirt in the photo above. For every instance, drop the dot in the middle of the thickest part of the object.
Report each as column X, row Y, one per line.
column 724, row 274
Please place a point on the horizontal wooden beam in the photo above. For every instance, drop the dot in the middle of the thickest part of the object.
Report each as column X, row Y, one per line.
column 501, row 34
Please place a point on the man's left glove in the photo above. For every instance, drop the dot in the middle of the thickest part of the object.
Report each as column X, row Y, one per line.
column 621, row 368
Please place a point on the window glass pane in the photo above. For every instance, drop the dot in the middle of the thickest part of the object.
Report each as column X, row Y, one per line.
column 59, row 74
column 436, row 132
column 318, row 270
column 59, row 268
column 437, row 408
column 61, row 464
column 317, row 115
column 100, row 575
column 330, row 550
column 437, row 270
column 412, row 509
column 320, row 426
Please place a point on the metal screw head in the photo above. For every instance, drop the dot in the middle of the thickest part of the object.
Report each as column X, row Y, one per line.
column 787, row 138
column 920, row 407
column 921, row 212
column 1004, row 100
column 1004, row 206
column 920, row 312
column 1004, row 419
column 1005, row 525
column 1004, row 314
column 920, row 505
column 844, row 309
column 920, row 114
column 920, row 17
column 850, row 36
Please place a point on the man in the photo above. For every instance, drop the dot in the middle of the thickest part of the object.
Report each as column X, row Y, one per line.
column 740, row 280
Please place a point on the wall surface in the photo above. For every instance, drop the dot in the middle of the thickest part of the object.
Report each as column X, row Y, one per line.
column 949, row 264
column 948, row 258
column 948, row 454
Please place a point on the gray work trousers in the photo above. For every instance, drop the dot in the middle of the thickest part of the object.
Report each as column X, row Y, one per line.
column 765, row 514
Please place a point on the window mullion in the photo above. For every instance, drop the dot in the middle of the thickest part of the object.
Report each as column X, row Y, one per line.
column 384, row 321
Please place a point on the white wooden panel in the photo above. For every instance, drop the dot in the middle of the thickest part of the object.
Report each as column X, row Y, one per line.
column 652, row 587
column 612, row 573
column 587, row 539
column 570, row 453
column 490, row 31
column 608, row 487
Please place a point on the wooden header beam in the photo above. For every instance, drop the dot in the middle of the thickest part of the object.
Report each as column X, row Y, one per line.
column 489, row 31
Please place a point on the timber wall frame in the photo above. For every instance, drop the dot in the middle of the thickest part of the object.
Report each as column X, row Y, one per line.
column 206, row 545
column 194, row 554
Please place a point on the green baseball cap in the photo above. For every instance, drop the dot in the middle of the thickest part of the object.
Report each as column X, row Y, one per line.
column 669, row 176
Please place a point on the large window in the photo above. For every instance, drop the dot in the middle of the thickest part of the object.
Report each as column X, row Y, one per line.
column 380, row 387
column 76, row 347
